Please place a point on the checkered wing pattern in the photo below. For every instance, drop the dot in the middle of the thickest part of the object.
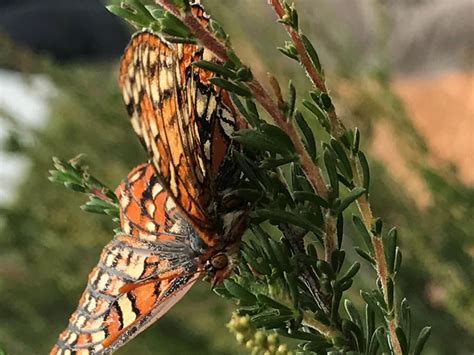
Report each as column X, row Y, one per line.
column 181, row 119
column 167, row 207
column 141, row 273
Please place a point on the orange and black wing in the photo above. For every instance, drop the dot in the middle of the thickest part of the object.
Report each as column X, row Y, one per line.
column 180, row 117
column 141, row 273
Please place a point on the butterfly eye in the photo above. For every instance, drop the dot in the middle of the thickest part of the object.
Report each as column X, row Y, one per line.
column 219, row 261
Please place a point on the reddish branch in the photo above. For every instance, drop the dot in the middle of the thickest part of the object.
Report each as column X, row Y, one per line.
column 337, row 127
column 100, row 194
column 380, row 261
column 304, row 58
column 200, row 32
column 261, row 95
column 381, row 267
column 310, row 169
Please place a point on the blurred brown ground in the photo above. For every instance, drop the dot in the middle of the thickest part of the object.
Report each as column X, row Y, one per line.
column 442, row 109
column 446, row 102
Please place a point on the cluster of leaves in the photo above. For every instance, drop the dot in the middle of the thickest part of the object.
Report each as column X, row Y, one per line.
column 153, row 17
column 270, row 290
column 284, row 283
column 75, row 176
column 272, row 283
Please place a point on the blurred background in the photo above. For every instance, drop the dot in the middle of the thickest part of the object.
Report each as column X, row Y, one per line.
column 402, row 71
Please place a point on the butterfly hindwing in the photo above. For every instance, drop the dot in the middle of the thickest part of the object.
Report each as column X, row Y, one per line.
column 139, row 195
column 140, row 275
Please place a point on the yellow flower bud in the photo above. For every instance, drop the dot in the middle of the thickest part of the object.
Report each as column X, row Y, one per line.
column 260, row 338
column 282, row 349
column 272, row 339
column 240, row 338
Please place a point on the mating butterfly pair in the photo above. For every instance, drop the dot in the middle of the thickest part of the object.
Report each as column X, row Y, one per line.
column 175, row 227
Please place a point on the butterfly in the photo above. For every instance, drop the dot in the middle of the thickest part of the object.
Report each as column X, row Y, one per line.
column 176, row 225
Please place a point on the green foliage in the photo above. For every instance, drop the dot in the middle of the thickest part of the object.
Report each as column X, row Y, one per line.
column 153, row 17
column 74, row 176
column 273, row 276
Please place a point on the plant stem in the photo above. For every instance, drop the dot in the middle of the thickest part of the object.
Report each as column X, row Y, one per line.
column 330, row 229
column 309, row 168
column 209, row 41
column 365, row 211
column 363, row 204
column 337, row 127
column 307, row 275
column 326, row 330
column 200, row 32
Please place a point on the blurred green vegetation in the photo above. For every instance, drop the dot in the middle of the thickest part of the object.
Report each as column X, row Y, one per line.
column 48, row 245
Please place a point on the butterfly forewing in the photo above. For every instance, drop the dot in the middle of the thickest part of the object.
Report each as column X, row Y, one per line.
column 180, row 118
column 140, row 275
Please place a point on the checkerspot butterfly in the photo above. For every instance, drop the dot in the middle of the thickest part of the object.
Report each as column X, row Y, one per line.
column 175, row 226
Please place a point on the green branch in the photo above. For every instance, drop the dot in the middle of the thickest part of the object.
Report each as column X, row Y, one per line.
column 282, row 283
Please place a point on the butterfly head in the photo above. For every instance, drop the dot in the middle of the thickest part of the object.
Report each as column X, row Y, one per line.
column 219, row 266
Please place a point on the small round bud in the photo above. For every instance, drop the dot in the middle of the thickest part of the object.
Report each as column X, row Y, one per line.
column 244, row 322
column 260, row 338
column 282, row 349
column 240, row 338
column 272, row 339
column 232, row 323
